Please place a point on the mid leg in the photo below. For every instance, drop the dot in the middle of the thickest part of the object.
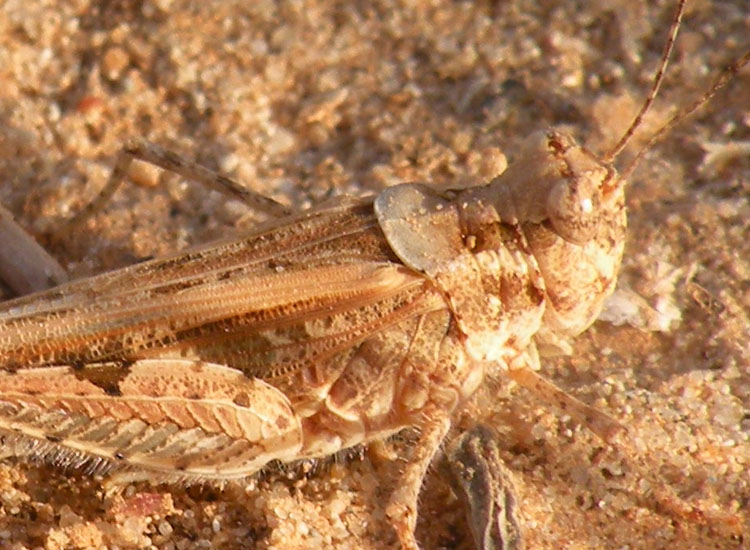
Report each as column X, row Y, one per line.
column 402, row 506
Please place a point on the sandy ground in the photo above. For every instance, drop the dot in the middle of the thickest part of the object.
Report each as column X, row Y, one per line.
column 296, row 98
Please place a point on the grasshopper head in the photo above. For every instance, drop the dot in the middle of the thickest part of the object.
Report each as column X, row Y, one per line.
column 585, row 191
column 570, row 208
column 579, row 246
column 557, row 181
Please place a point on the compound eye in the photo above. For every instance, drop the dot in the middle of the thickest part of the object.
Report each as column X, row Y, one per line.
column 573, row 207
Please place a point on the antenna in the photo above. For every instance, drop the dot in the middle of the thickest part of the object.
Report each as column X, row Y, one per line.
column 658, row 78
column 722, row 80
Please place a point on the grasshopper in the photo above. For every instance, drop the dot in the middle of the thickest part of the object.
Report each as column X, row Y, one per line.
column 325, row 330
column 481, row 479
